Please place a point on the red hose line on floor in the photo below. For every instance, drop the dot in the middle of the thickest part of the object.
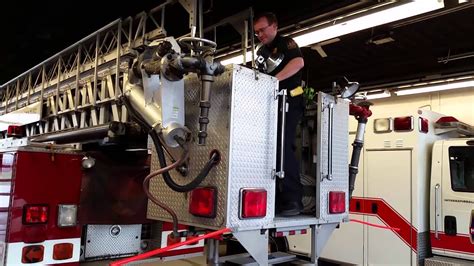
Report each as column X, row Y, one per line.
column 162, row 250
column 376, row 225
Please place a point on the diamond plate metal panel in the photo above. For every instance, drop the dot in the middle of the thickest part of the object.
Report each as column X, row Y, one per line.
column 424, row 247
column 253, row 143
column 445, row 261
column 243, row 128
column 332, row 174
column 112, row 240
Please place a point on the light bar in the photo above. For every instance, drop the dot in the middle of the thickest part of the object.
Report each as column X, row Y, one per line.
column 380, row 95
column 433, row 88
column 370, row 20
column 376, row 18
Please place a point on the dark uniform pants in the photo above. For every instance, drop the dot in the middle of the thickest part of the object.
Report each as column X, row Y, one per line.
column 290, row 188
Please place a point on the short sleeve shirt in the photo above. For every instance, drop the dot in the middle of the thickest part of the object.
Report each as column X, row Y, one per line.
column 290, row 50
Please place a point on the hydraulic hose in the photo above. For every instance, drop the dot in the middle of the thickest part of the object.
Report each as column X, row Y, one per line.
column 146, row 183
column 213, row 161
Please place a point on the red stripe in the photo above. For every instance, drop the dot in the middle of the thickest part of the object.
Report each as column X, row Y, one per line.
column 456, row 243
column 408, row 233
column 388, row 216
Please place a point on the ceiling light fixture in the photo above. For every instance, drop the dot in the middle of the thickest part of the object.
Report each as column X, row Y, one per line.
column 435, row 87
column 372, row 19
column 377, row 95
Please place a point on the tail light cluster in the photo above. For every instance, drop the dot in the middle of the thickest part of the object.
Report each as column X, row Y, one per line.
column 253, row 202
column 35, row 253
column 39, row 214
column 400, row 124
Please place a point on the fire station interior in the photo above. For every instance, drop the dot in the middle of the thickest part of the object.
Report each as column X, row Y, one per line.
column 147, row 134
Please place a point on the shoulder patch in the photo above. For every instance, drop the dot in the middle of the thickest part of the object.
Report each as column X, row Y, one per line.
column 291, row 44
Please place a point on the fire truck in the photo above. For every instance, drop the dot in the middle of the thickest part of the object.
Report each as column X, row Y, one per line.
column 416, row 179
column 82, row 181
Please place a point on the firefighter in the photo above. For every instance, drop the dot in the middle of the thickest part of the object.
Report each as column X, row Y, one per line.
column 281, row 57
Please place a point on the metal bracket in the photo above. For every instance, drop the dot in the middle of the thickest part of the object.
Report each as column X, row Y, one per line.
column 255, row 243
column 191, row 8
column 319, row 236
column 280, row 174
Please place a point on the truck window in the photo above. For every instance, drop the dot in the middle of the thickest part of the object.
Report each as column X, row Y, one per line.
column 461, row 164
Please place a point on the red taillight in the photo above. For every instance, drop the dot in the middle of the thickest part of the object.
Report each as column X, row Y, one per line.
column 203, row 202
column 253, row 203
column 403, row 123
column 447, row 119
column 15, row 131
column 337, row 202
column 63, row 251
column 35, row 214
column 32, row 254
column 423, row 124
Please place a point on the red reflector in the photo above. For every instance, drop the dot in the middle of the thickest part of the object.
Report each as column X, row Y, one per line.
column 304, row 231
column 447, row 119
column 292, row 233
column 423, row 124
column 15, row 131
column 403, row 123
column 203, row 202
column 337, row 202
column 63, row 251
column 35, row 214
column 253, row 203
column 32, row 254
column 279, row 234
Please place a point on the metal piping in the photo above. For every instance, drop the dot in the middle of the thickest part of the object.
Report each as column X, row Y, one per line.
column 76, row 135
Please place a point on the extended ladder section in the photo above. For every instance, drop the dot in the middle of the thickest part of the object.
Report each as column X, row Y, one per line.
column 79, row 87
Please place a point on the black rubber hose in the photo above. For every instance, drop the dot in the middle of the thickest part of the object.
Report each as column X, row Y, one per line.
column 213, row 160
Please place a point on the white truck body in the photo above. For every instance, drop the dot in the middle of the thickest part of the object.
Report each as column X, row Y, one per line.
column 397, row 175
